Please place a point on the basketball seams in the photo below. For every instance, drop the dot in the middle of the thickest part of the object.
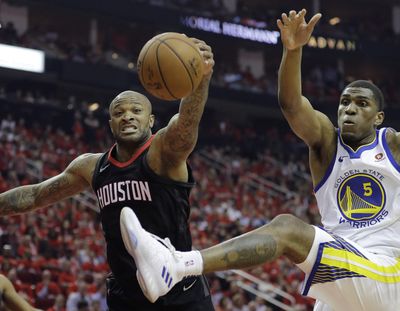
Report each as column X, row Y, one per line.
column 161, row 74
column 143, row 59
column 177, row 55
column 170, row 70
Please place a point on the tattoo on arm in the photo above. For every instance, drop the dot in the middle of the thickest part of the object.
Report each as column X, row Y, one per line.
column 184, row 132
column 73, row 180
column 18, row 200
column 27, row 198
column 51, row 193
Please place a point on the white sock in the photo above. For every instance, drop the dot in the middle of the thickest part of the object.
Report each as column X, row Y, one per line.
column 190, row 264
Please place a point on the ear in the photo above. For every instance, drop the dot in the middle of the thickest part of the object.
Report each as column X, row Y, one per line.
column 151, row 120
column 380, row 116
column 109, row 123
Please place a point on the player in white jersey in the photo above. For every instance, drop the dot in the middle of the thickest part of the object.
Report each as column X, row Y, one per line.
column 352, row 262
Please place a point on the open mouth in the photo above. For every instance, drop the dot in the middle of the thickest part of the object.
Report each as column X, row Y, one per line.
column 129, row 129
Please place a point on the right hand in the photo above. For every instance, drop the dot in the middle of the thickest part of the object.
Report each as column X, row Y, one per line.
column 295, row 32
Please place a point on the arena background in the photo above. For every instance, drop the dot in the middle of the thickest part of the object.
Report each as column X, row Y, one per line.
column 248, row 165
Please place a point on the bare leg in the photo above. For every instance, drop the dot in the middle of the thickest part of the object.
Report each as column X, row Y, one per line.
column 285, row 235
column 160, row 266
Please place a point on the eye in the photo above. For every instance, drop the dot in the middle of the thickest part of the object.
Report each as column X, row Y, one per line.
column 344, row 102
column 118, row 113
column 137, row 110
column 363, row 103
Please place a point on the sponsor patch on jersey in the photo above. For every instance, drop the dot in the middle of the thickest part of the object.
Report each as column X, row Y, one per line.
column 361, row 197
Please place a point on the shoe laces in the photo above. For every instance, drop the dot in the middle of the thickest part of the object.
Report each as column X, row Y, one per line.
column 167, row 243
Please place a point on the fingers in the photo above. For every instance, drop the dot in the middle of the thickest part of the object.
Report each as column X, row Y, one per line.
column 197, row 41
column 293, row 17
column 314, row 20
column 205, row 49
column 206, row 53
column 297, row 17
column 279, row 24
column 302, row 13
column 285, row 19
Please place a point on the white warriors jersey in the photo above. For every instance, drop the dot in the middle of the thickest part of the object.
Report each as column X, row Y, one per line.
column 359, row 196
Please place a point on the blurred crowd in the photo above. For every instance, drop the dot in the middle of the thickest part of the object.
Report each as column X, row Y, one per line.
column 56, row 256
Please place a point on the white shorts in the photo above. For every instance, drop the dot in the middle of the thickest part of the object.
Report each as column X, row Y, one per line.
column 342, row 275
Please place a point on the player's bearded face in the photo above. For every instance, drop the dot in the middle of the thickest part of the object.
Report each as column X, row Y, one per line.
column 131, row 122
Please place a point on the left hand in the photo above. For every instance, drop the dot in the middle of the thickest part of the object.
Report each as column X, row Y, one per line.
column 295, row 31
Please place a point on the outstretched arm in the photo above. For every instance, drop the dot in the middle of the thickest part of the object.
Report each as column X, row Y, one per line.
column 174, row 143
column 306, row 122
column 12, row 300
column 182, row 131
column 75, row 178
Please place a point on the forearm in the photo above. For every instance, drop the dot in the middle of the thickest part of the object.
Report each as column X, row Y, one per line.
column 289, row 79
column 70, row 182
column 19, row 200
column 192, row 107
column 190, row 112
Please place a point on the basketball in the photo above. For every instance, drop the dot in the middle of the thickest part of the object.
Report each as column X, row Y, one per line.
column 170, row 66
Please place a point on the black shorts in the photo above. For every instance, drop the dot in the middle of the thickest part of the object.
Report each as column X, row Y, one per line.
column 196, row 298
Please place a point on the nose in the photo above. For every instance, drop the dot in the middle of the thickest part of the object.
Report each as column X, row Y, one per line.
column 351, row 108
column 127, row 116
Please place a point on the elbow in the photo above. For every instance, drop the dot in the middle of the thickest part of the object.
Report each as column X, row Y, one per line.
column 285, row 103
column 283, row 98
column 289, row 100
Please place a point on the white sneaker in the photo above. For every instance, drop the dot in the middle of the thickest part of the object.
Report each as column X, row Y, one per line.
column 155, row 258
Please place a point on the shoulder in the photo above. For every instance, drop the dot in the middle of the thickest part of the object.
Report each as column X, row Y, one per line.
column 84, row 165
column 393, row 141
column 85, row 160
column 392, row 136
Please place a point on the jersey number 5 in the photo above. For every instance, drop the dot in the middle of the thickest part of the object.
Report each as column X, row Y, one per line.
column 367, row 189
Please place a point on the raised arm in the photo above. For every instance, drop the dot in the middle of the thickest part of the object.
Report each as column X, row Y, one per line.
column 306, row 122
column 74, row 179
column 12, row 300
column 174, row 143
column 182, row 131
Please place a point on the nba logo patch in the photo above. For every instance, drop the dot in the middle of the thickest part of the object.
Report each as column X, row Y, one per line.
column 379, row 157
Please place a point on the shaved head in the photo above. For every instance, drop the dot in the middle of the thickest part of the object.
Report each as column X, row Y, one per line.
column 131, row 119
column 130, row 97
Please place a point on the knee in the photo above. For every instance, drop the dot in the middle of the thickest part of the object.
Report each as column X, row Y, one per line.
column 289, row 226
column 294, row 235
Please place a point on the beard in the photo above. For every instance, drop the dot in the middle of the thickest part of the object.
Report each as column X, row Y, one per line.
column 136, row 139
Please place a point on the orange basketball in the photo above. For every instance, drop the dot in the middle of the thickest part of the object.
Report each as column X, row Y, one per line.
column 170, row 66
